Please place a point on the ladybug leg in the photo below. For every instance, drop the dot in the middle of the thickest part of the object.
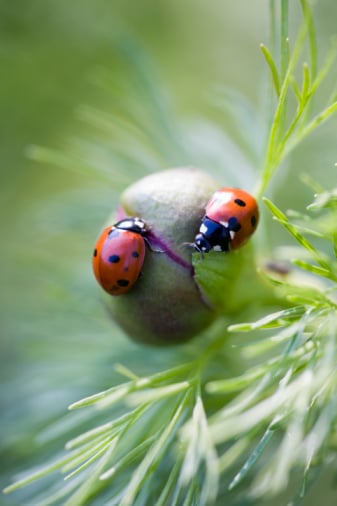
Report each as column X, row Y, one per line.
column 198, row 250
column 148, row 244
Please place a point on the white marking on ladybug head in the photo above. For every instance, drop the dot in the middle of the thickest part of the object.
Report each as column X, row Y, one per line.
column 224, row 223
column 139, row 223
column 232, row 234
column 203, row 228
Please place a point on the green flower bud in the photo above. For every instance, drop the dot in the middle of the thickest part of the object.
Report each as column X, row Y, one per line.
column 165, row 305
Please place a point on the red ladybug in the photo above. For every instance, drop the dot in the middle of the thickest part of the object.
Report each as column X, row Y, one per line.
column 231, row 216
column 119, row 255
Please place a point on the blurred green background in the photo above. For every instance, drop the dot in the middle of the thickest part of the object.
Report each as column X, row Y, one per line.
column 55, row 336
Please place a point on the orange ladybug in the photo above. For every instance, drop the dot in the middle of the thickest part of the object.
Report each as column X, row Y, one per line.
column 119, row 255
column 231, row 216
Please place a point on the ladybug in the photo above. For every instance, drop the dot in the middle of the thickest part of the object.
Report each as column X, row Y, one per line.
column 231, row 216
column 119, row 255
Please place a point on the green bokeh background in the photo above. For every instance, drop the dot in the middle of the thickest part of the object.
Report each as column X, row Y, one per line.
column 54, row 334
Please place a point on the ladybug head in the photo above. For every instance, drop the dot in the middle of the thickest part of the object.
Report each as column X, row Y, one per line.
column 201, row 244
column 133, row 225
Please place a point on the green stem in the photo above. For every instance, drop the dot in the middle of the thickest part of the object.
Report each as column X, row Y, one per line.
column 272, row 26
column 311, row 36
column 272, row 67
column 284, row 38
column 315, row 122
column 271, row 164
column 284, row 51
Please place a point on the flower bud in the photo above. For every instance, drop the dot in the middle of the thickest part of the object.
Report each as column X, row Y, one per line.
column 165, row 305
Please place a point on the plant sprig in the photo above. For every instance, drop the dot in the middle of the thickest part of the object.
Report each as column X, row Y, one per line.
column 285, row 135
column 193, row 433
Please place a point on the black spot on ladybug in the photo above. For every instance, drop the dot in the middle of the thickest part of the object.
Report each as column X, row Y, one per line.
column 240, row 202
column 123, row 282
column 95, row 252
column 135, row 254
column 233, row 224
column 253, row 221
column 114, row 259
